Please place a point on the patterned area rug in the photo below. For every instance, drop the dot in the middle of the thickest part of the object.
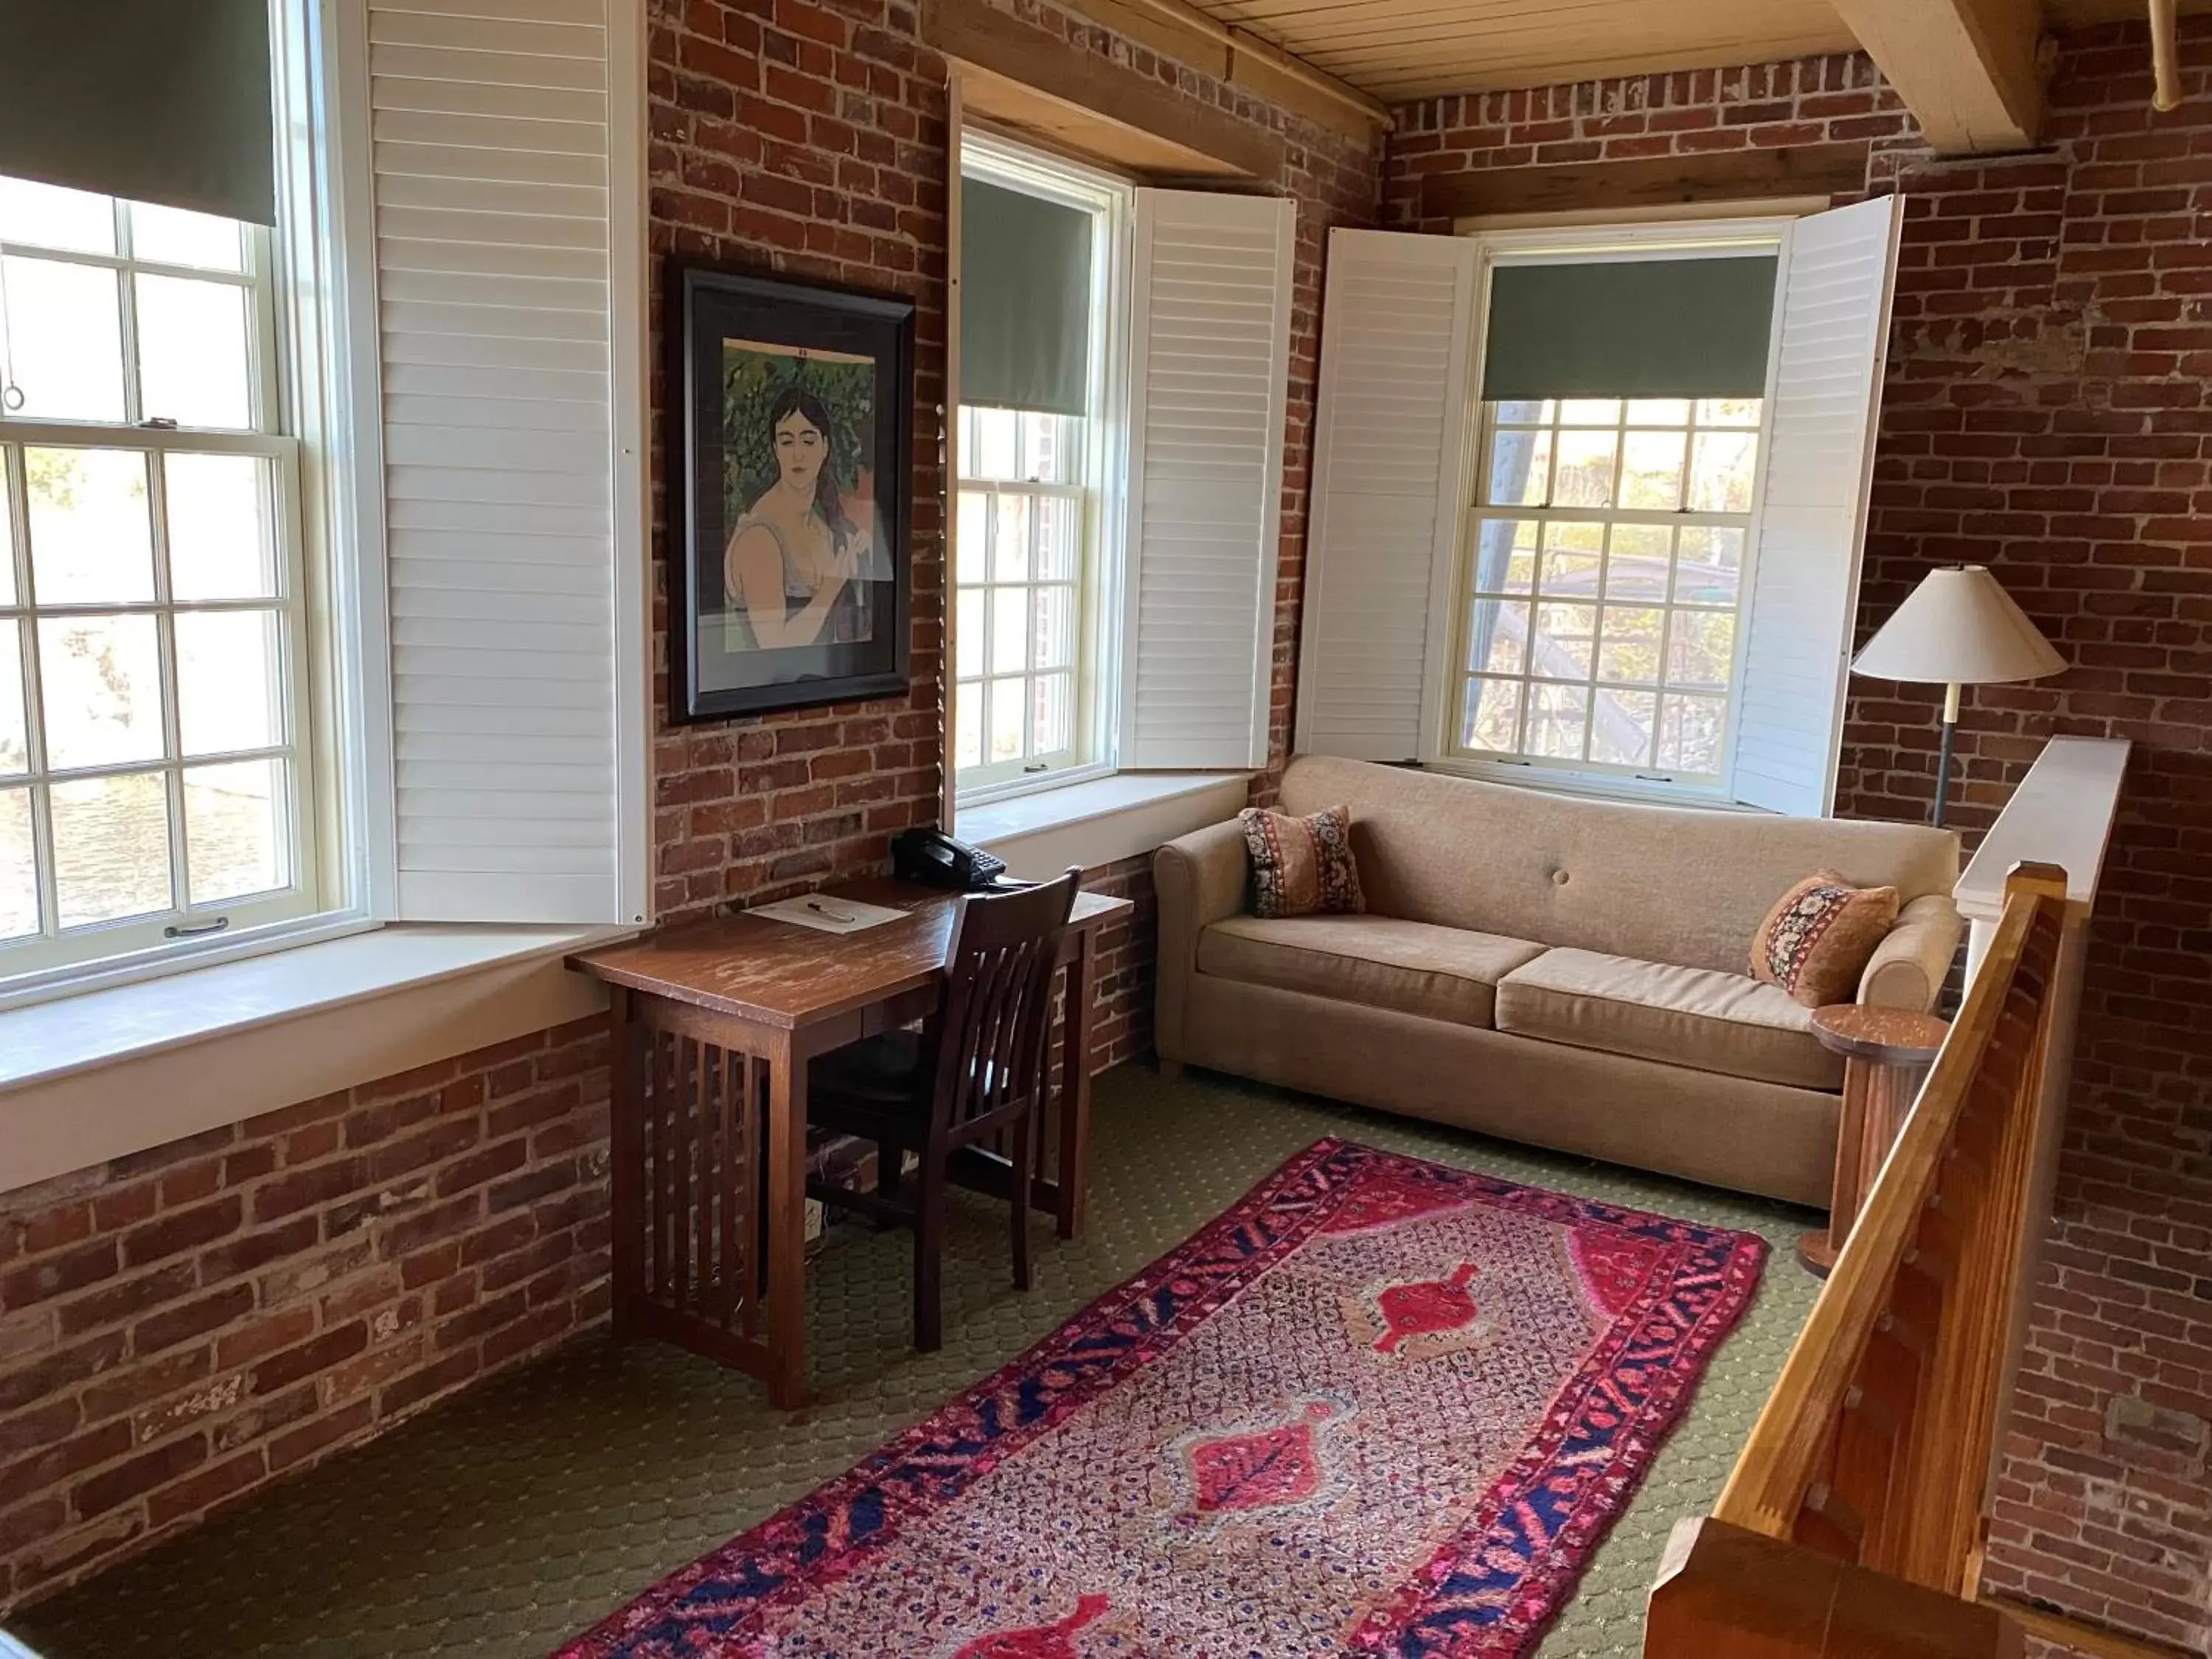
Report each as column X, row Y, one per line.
column 1381, row 1407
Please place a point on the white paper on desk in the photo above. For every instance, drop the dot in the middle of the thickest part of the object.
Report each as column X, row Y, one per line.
column 835, row 915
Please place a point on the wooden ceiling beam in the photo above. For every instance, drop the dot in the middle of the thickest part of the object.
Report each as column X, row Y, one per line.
column 1728, row 175
column 1968, row 69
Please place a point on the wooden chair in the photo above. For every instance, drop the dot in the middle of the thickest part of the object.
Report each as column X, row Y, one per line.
column 977, row 1070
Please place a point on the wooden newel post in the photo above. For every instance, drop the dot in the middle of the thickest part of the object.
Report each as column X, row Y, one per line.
column 1725, row 1592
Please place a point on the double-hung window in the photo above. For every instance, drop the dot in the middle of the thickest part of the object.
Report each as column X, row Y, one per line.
column 1041, row 425
column 153, row 714
column 1589, row 502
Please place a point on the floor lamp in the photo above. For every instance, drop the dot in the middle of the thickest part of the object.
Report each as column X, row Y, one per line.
column 1959, row 628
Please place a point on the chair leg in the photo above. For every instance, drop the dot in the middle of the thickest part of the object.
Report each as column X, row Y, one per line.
column 1024, row 1154
column 929, row 1261
column 890, row 1168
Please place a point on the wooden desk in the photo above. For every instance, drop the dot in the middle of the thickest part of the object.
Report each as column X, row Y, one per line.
column 713, row 1024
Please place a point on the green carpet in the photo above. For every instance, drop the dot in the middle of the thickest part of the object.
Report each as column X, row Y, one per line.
column 514, row 1518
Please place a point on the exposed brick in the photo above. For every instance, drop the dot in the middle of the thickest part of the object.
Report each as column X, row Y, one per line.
column 97, row 1494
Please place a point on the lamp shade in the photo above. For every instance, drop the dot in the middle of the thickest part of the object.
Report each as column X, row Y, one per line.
column 1959, row 628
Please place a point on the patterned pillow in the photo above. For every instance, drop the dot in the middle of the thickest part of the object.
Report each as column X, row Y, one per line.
column 1301, row 866
column 1816, row 940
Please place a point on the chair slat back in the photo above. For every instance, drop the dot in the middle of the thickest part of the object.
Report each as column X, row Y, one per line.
column 991, row 1051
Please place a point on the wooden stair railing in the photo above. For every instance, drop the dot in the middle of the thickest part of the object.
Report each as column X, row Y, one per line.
column 1853, row 1520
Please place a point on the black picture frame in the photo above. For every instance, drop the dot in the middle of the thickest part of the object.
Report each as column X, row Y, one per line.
column 838, row 555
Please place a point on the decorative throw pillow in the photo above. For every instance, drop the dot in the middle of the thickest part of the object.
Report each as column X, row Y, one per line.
column 1816, row 940
column 1301, row 866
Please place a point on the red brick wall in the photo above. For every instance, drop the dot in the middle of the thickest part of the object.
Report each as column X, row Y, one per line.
column 2046, row 414
column 180, row 1327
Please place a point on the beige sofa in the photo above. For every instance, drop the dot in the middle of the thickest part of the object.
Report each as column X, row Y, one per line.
column 1567, row 972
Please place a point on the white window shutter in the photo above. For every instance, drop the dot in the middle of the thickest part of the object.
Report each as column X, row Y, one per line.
column 1825, row 389
column 509, row 269
column 1390, row 492
column 1210, row 369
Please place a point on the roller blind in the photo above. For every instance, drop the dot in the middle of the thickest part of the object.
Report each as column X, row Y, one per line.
column 153, row 101
column 1635, row 328
column 1024, row 302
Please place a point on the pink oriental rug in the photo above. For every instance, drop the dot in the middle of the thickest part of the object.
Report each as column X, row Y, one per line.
column 1379, row 1408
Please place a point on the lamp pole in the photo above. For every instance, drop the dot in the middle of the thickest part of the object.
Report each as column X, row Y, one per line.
column 1943, row 756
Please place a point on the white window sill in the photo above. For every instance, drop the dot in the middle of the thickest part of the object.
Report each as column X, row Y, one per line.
column 89, row 1078
column 1101, row 820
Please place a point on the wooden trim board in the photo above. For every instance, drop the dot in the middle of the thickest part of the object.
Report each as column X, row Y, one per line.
column 1728, row 175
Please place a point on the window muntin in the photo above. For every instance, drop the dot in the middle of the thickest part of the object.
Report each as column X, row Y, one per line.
column 152, row 717
column 1604, row 583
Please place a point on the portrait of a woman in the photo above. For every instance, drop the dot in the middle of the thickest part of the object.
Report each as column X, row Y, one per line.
column 796, row 567
column 799, row 459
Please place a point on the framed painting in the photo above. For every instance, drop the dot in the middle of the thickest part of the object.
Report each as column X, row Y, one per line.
column 795, row 408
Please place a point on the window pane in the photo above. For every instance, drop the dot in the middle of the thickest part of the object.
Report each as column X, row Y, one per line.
column 969, row 647
column 1008, row 719
column 1505, row 556
column 111, row 847
column 47, row 216
column 1630, row 649
column 1701, row 648
column 229, row 693
column 1590, row 411
column 1571, row 559
column 1010, row 629
column 1729, row 411
column 172, row 236
column 234, row 829
column 1055, row 715
column 1711, row 568
column 1658, row 411
column 1497, row 636
column 1636, row 565
column 65, row 339
column 1561, row 649
column 1584, row 475
column 92, row 541
column 1622, row 733
column 19, row 875
column 966, row 726
column 100, row 690
column 1520, row 468
column 193, row 362
column 974, row 541
column 1009, row 541
column 1049, row 447
column 14, row 740
column 6, row 535
column 1651, row 470
column 1556, row 718
column 995, row 453
column 1491, row 717
column 219, row 543
column 1526, row 411
column 1055, row 628
column 1721, row 472
column 1059, row 549
column 1689, row 734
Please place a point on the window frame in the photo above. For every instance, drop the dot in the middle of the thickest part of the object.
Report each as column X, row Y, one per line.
column 1104, row 473
column 1654, row 240
column 310, row 270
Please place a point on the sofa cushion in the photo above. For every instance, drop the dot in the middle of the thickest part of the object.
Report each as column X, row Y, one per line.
column 1442, row 972
column 1695, row 1017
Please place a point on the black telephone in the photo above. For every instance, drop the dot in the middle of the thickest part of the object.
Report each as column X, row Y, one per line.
column 934, row 859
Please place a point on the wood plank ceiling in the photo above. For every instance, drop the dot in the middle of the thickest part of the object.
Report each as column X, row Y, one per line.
column 1400, row 50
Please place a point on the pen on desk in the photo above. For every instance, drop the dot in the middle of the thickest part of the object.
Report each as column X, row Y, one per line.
column 822, row 909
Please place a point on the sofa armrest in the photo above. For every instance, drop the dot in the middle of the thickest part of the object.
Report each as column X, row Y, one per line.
column 1910, row 965
column 1199, row 880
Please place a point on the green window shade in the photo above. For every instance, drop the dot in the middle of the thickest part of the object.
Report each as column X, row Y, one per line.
column 1631, row 328
column 1024, row 302
column 165, row 101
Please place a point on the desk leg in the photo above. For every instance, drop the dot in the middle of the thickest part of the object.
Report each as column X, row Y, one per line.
column 625, row 1057
column 787, row 1226
column 1075, row 1087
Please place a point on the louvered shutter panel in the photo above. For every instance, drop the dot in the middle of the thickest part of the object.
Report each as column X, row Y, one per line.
column 1210, row 366
column 1833, row 338
column 511, row 362
column 1388, row 491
